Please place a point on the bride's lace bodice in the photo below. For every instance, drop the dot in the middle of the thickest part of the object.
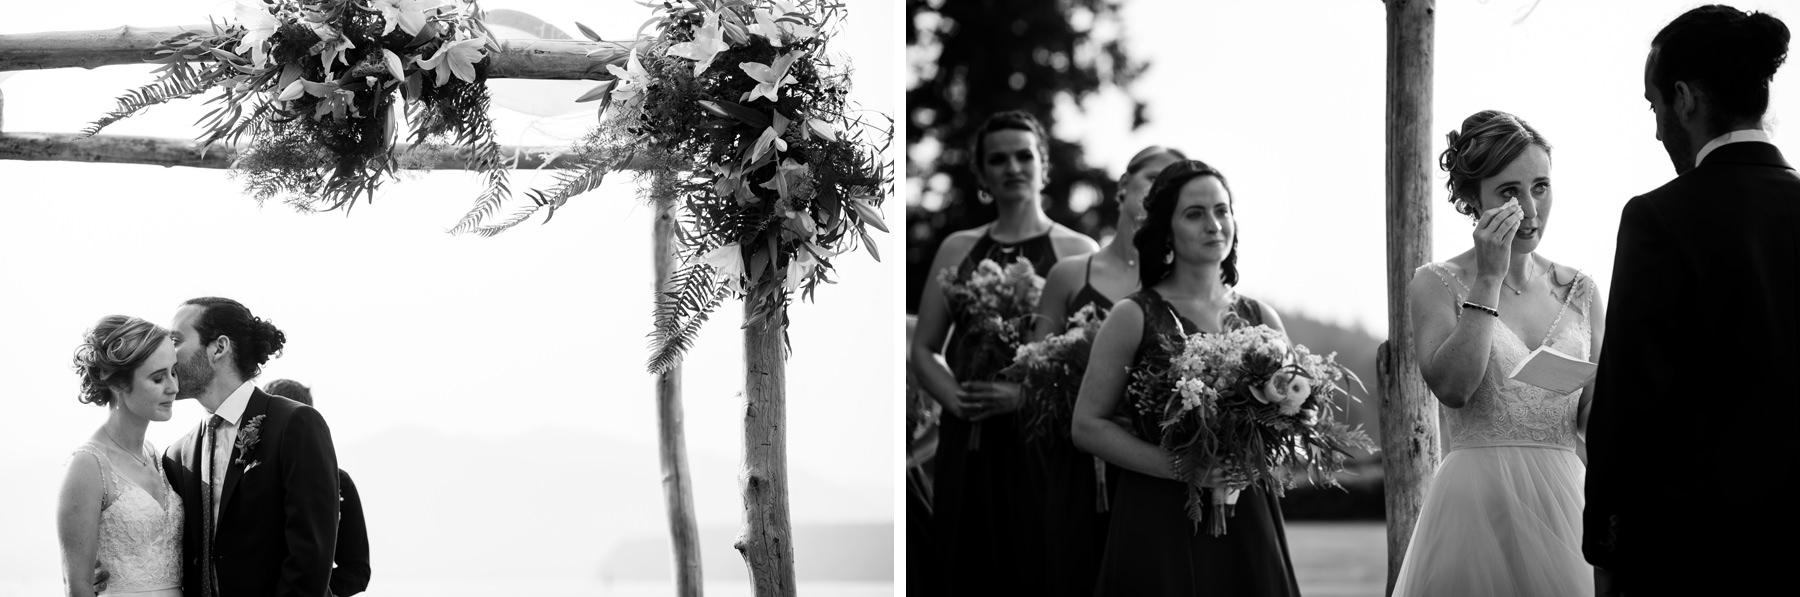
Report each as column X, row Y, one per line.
column 1503, row 412
column 140, row 539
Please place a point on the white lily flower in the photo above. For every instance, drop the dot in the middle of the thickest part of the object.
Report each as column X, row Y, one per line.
column 259, row 24
column 708, row 42
column 729, row 261
column 770, row 78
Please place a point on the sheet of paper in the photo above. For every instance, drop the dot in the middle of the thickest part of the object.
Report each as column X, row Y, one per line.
column 1546, row 368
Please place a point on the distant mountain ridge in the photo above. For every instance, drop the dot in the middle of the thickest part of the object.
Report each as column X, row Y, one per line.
column 551, row 500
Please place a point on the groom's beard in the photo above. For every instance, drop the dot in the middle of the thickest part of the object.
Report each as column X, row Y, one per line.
column 194, row 375
column 1679, row 145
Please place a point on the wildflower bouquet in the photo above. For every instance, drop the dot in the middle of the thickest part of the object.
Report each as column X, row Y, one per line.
column 1252, row 406
column 993, row 309
column 1049, row 373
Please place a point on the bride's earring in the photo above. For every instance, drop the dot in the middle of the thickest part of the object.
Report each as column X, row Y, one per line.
column 1169, row 257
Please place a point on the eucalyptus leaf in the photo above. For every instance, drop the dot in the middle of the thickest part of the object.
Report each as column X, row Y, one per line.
column 587, row 32
column 870, row 243
column 736, row 110
column 599, row 91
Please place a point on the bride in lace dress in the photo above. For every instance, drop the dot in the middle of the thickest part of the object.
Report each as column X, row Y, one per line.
column 1503, row 515
column 118, row 519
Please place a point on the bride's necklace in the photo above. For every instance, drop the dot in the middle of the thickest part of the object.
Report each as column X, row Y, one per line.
column 1509, row 286
column 115, row 442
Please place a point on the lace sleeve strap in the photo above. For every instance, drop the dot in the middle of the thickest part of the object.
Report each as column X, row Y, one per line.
column 107, row 488
column 1446, row 276
column 1581, row 292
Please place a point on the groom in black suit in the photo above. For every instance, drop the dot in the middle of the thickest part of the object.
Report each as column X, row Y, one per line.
column 266, row 523
column 1688, row 436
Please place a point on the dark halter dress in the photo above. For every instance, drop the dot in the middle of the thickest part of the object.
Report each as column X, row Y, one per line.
column 986, row 509
column 1152, row 549
column 1075, row 511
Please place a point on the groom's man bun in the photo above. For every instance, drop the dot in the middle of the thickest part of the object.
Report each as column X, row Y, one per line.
column 253, row 339
column 1728, row 54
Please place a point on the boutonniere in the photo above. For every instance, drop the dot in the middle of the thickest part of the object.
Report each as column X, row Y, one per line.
column 246, row 441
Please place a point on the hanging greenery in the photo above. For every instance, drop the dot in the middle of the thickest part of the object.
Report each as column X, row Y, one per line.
column 735, row 113
column 313, row 82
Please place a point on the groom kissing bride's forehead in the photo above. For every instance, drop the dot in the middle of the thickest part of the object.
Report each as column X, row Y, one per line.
column 258, row 476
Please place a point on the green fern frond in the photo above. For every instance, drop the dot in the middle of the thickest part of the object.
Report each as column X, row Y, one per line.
column 581, row 181
column 680, row 313
column 178, row 82
column 517, row 218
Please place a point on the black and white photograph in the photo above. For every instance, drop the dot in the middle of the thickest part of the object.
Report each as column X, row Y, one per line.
column 445, row 297
column 1410, row 298
column 1347, row 298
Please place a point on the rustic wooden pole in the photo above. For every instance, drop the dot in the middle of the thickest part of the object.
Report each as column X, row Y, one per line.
column 678, row 490
column 518, row 59
column 1408, row 419
column 159, row 151
column 766, row 541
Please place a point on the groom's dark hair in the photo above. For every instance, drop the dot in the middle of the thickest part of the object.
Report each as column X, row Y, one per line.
column 1728, row 53
column 291, row 390
column 253, row 339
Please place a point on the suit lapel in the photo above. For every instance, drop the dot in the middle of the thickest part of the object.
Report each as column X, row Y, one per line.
column 256, row 406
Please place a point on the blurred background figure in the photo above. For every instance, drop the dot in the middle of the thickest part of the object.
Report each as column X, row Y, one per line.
column 351, row 573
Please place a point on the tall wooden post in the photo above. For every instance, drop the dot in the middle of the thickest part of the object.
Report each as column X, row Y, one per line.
column 1408, row 419
column 766, row 542
column 678, row 490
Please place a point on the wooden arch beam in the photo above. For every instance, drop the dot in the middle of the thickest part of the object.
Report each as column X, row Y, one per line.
column 517, row 59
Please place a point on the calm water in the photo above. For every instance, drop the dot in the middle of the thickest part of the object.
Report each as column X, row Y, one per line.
column 459, row 588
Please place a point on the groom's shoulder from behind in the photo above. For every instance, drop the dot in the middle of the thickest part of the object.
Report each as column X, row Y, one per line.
column 290, row 409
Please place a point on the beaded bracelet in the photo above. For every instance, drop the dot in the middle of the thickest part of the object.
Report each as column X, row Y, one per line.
column 1482, row 308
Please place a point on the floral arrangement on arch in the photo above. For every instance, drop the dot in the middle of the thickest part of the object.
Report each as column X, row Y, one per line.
column 735, row 113
column 314, row 83
column 1253, row 406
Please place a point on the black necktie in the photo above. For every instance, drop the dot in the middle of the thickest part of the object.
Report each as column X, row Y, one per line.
column 208, row 579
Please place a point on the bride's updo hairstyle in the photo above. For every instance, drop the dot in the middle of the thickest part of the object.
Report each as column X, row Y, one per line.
column 110, row 351
column 1727, row 53
column 1155, row 241
column 1489, row 142
column 253, row 339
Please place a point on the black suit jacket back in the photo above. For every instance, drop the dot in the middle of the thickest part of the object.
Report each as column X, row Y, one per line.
column 1702, row 336
column 277, row 526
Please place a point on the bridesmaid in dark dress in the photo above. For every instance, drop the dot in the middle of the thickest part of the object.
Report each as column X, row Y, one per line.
column 1188, row 247
column 1075, row 513
column 986, row 518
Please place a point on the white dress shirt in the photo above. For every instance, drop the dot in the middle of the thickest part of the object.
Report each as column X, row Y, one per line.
column 1737, row 136
column 232, row 411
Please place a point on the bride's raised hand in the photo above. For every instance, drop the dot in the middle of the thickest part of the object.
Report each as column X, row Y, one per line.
column 1493, row 239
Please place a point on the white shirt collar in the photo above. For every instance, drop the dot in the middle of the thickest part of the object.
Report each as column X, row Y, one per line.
column 1737, row 136
column 233, row 407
